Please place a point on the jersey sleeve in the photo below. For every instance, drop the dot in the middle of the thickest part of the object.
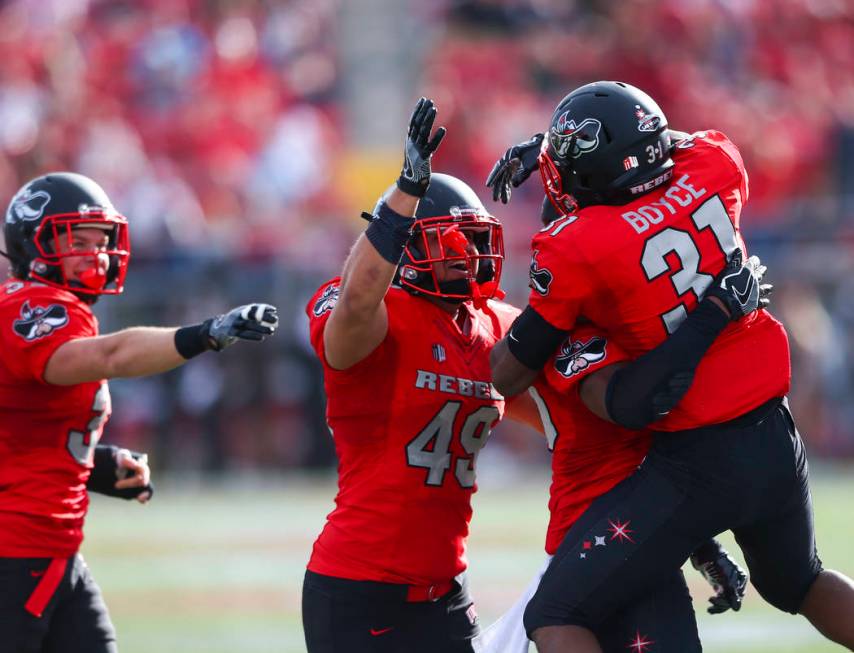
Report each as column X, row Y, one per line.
column 36, row 325
column 558, row 276
column 503, row 315
column 318, row 309
column 586, row 350
column 727, row 166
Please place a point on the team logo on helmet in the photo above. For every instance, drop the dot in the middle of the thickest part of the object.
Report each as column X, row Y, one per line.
column 572, row 140
column 576, row 355
column 37, row 321
column 27, row 205
column 646, row 122
column 541, row 278
column 326, row 301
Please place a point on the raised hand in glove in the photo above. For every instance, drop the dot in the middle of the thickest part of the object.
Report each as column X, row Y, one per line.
column 514, row 167
column 739, row 286
column 727, row 579
column 248, row 322
column 419, row 148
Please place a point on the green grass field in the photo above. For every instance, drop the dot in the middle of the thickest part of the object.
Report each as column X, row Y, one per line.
column 218, row 569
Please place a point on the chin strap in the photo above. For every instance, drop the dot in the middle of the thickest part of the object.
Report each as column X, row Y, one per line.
column 483, row 292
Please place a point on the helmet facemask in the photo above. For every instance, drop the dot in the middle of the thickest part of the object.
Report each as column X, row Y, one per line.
column 47, row 264
column 563, row 202
column 469, row 244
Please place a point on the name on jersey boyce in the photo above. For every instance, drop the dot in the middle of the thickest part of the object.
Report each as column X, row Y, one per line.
column 680, row 194
column 456, row 385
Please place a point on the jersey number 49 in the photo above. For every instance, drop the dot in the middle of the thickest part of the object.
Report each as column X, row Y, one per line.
column 431, row 448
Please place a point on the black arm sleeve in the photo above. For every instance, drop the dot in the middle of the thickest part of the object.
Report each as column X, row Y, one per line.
column 532, row 339
column 640, row 393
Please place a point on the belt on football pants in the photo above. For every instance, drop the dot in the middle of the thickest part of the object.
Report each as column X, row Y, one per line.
column 422, row 593
column 44, row 591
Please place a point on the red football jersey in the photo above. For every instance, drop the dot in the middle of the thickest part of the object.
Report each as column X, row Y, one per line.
column 408, row 422
column 589, row 455
column 636, row 270
column 48, row 432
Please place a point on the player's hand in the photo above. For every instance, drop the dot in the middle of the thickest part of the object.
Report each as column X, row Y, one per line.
column 668, row 397
column 121, row 473
column 677, row 137
column 419, row 148
column 739, row 286
column 133, row 471
column 248, row 322
column 727, row 579
column 514, row 167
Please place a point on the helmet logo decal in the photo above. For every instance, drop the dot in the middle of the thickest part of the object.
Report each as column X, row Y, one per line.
column 646, row 122
column 541, row 278
column 38, row 321
column 27, row 205
column 576, row 356
column 327, row 300
column 572, row 140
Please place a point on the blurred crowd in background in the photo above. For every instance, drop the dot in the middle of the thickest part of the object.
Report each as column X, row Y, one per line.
column 224, row 130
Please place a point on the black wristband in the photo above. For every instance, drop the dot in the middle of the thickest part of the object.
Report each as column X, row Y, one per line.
column 412, row 187
column 389, row 232
column 192, row 340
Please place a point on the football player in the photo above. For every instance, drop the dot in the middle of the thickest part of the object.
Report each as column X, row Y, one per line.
column 404, row 338
column 591, row 456
column 68, row 246
column 649, row 217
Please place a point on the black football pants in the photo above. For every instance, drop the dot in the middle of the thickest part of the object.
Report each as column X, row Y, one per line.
column 749, row 476
column 73, row 619
column 348, row 616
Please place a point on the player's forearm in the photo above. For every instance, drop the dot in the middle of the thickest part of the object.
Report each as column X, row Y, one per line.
column 635, row 392
column 131, row 352
column 140, row 351
column 372, row 263
column 364, row 284
column 359, row 322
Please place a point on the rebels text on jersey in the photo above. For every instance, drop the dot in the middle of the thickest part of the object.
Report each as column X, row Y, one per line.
column 636, row 270
column 589, row 455
column 408, row 422
column 48, row 432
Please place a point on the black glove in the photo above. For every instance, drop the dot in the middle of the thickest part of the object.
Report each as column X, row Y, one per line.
column 248, row 322
column 667, row 398
column 106, row 472
column 418, row 148
column 727, row 579
column 514, row 167
column 739, row 286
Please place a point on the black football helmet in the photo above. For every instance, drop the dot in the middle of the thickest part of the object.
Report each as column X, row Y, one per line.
column 607, row 143
column 49, row 208
column 449, row 219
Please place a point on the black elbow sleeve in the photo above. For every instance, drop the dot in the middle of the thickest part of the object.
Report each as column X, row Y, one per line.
column 532, row 340
column 623, row 404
